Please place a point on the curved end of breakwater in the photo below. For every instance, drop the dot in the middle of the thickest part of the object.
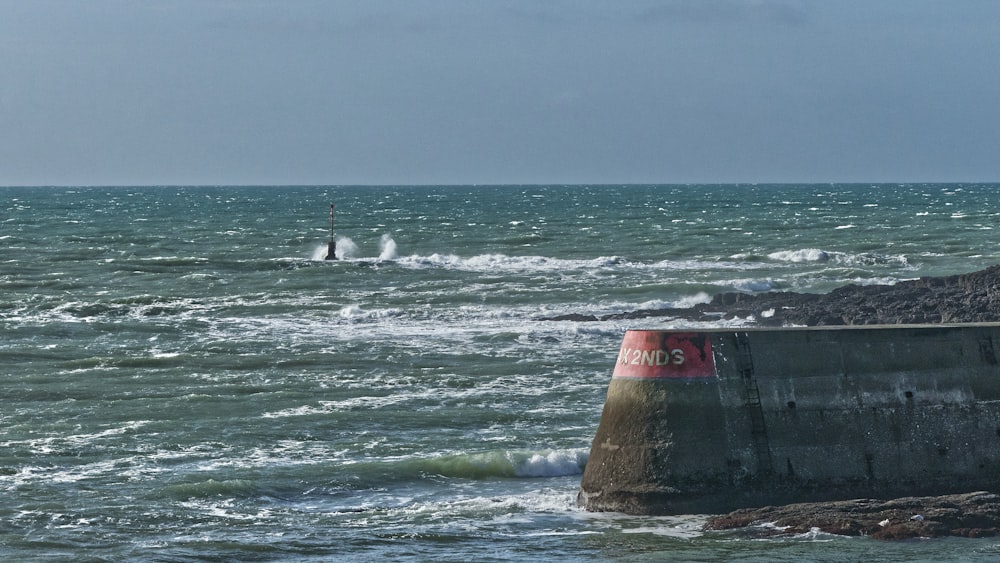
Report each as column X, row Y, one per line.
column 723, row 420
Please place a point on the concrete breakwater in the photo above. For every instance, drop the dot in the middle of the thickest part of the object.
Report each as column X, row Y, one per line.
column 715, row 420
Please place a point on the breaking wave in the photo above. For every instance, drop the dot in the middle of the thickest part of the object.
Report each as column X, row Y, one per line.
column 554, row 463
column 840, row 258
column 804, row 255
column 502, row 262
column 484, row 465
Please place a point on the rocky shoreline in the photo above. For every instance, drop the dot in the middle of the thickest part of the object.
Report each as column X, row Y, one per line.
column 964, row 298
column 972, row 515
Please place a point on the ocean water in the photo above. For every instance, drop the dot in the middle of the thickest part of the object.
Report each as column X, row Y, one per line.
column 185, row 378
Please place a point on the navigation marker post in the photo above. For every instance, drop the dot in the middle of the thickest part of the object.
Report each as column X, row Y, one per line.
column 331, row 249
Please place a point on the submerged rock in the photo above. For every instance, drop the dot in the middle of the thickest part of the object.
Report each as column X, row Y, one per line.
column 974, row 514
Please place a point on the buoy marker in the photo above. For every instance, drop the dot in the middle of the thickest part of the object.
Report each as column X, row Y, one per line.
column 331, row 248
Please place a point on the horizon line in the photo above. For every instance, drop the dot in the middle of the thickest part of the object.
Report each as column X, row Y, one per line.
column 517, row 184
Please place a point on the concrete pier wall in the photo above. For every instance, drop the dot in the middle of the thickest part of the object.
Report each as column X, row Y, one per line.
column 712, row 421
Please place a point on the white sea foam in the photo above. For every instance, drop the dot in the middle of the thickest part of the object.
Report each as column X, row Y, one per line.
column 688, row 527
column 503, row 262
column 870, row 259
column 346, row 248
column 552, row 464
column 816, row 535
column 692, row 300
column 355, row 313
column 511, row 463
column 319, row 252
column 700, row 265
column 387, row 248
column 806, row 255
column 351, row 312
column 478, row 510
column 755, row 285
column 527, row 264
column 803, row 255
column 684, row 302
column 51, row 443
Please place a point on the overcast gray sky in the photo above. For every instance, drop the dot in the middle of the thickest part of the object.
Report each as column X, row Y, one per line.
column 127, row 92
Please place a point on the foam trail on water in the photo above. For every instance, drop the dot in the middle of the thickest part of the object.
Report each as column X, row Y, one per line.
column 503, row 262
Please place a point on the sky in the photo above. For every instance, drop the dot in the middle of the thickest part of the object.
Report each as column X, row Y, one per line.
column 348, row 92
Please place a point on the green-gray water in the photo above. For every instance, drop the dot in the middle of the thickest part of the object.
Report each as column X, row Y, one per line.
column 184, row 377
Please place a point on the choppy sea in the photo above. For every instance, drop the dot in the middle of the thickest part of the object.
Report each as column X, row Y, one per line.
column 184, row 378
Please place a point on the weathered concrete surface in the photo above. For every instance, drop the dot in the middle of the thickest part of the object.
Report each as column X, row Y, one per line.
column 964, row 298
column 935, row 418
column 974, row 514
column 800, row 415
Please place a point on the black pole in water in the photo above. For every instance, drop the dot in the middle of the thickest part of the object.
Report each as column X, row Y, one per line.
column 331, row 248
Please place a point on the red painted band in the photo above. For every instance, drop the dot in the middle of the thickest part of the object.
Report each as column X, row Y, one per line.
column 654, row 354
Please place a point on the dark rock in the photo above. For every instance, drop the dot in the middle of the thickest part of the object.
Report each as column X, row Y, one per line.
column 967, row 515
column 973, row 297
